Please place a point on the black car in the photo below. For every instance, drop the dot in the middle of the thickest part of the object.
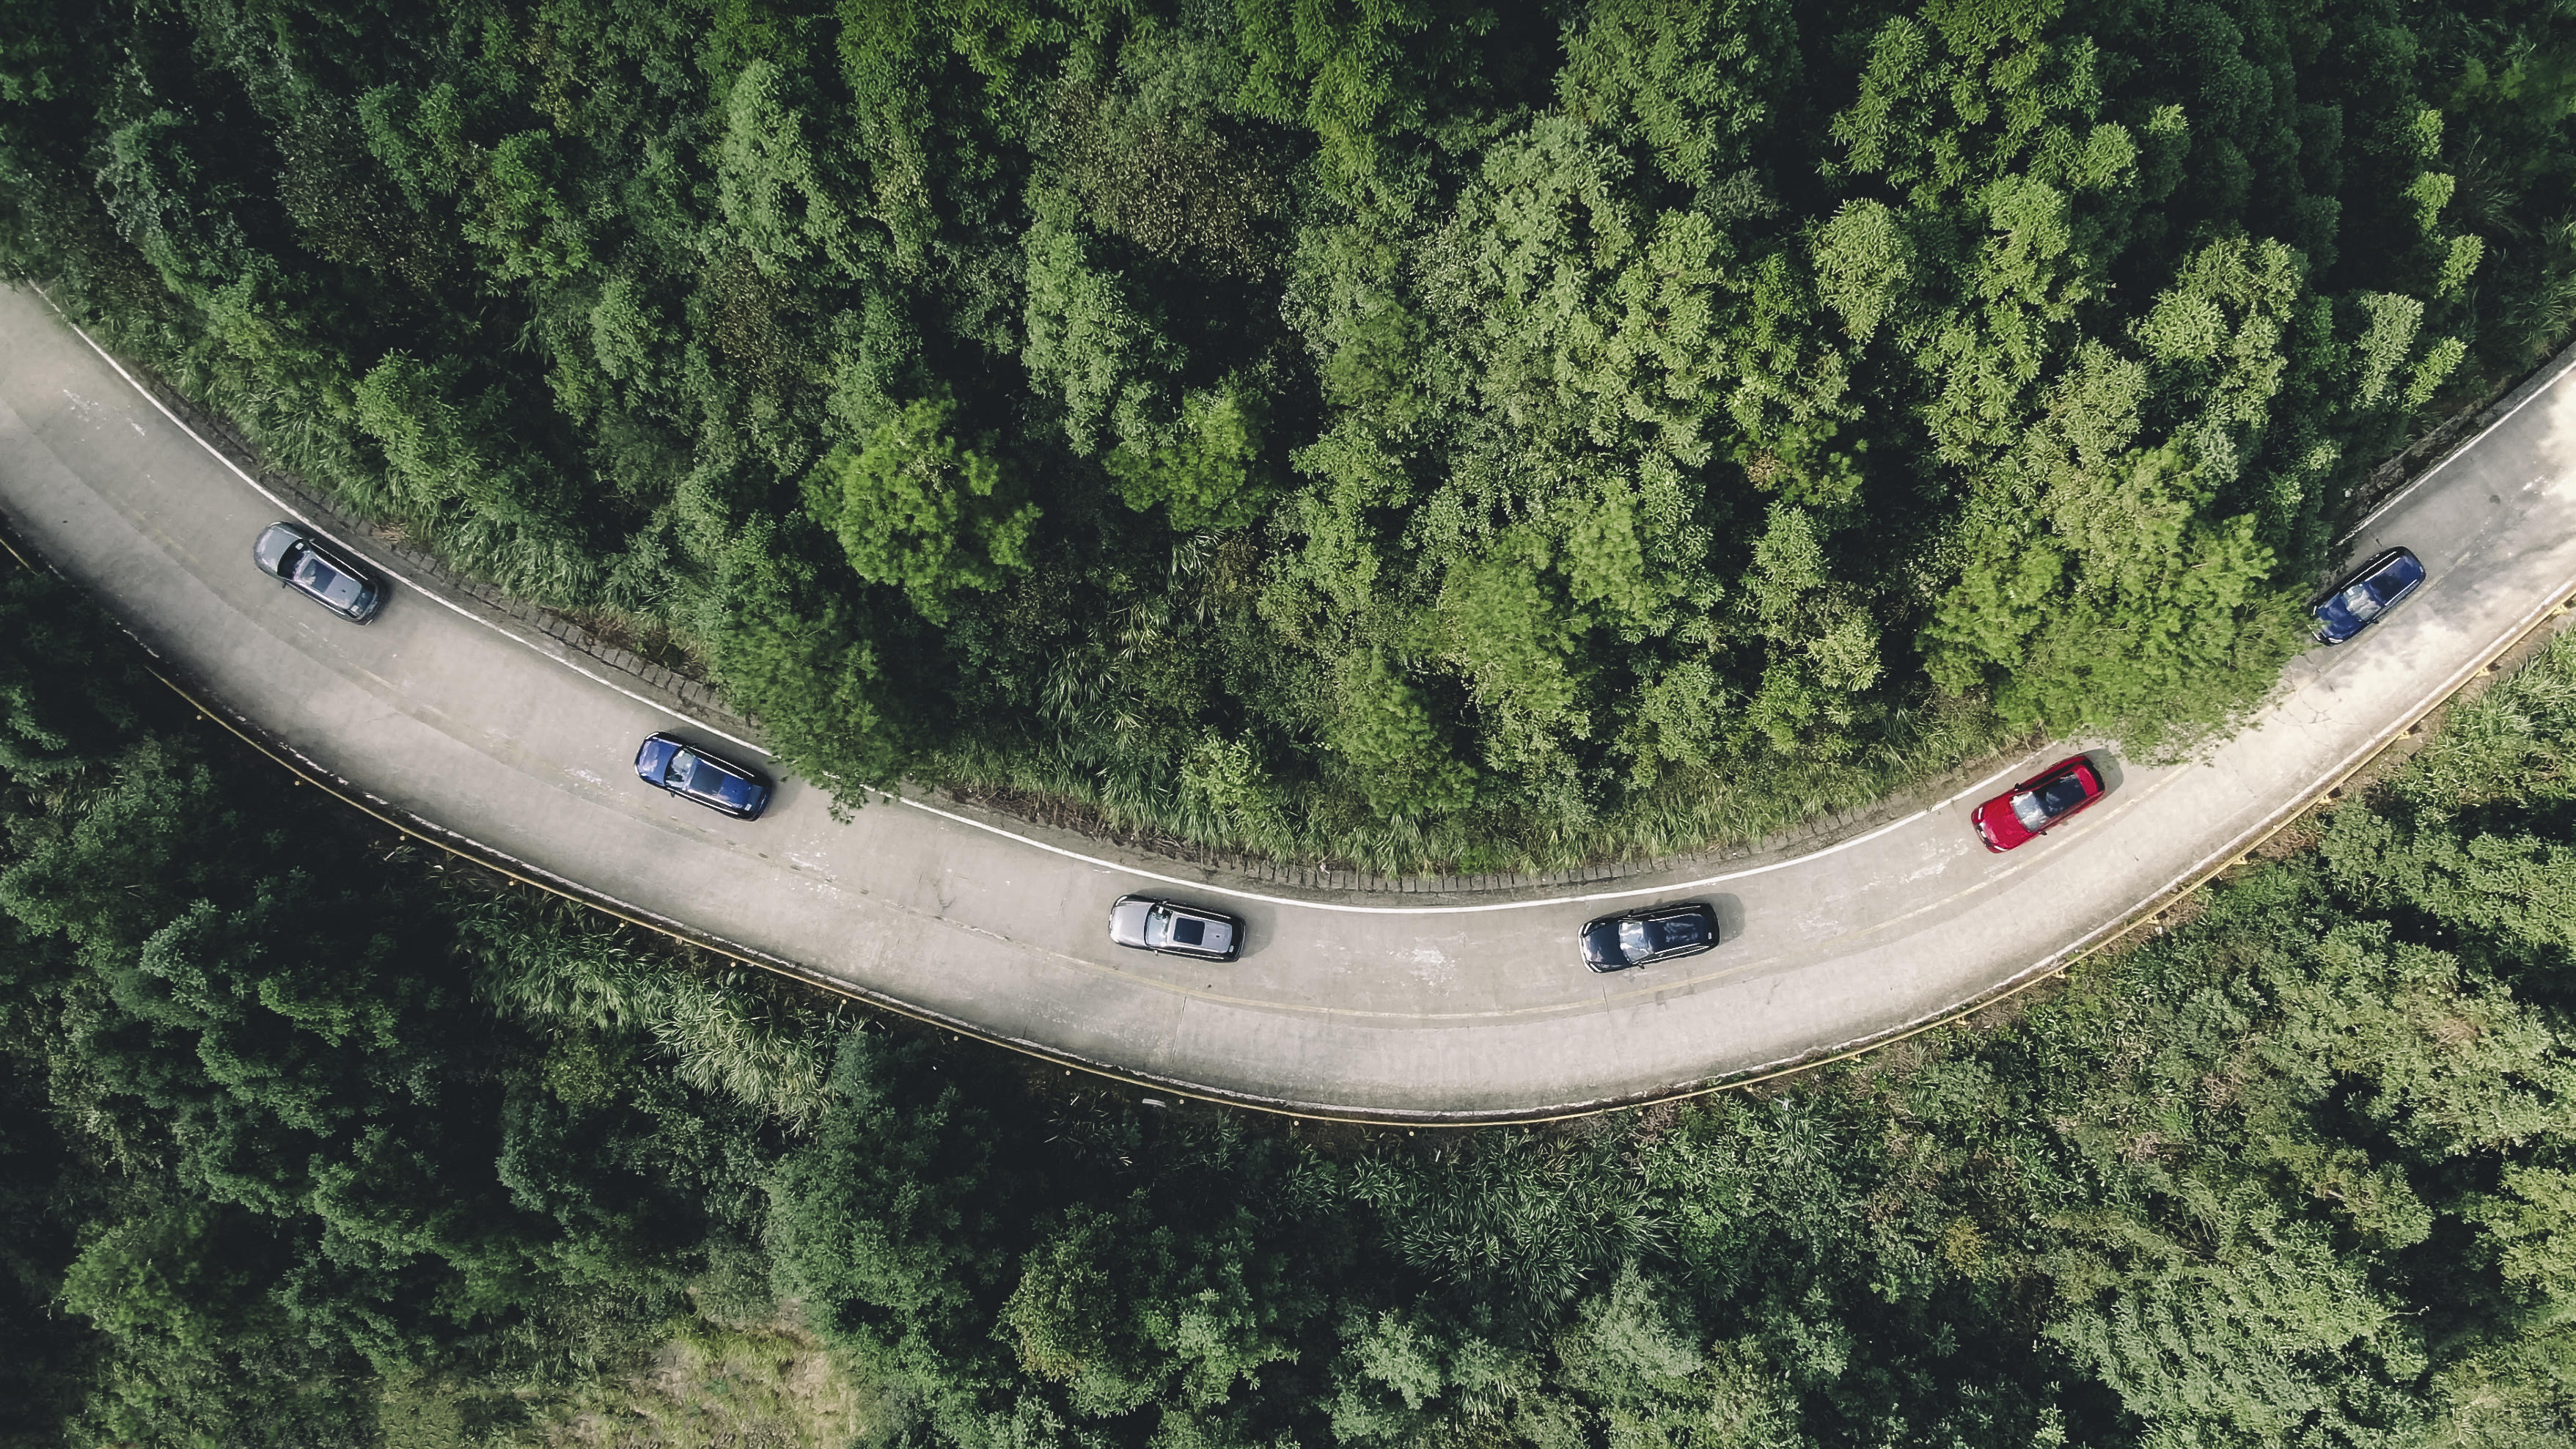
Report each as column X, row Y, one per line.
column 693, row 774
column 2373, row 590
column 293, row 556
column 1615, row 943
column 1148, row 924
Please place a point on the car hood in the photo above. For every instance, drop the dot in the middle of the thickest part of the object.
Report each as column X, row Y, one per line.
column 655, row 754
column 2335, row 622
column 1601, row 944
column 1127, row 922
column 1999, row 825
column 274, row 541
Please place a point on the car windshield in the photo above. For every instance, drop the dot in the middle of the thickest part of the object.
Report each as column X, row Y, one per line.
column 1636, row 940
column 319, row 578
column 2361, row 601
column 2029, row 810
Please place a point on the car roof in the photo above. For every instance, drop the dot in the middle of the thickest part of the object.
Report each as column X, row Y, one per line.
column 339, row 557
column 2370, row 568
column 1648, row 913
column 718, row 761
column 739, row 774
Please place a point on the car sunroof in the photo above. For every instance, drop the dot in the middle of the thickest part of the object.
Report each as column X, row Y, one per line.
column 1187, row 932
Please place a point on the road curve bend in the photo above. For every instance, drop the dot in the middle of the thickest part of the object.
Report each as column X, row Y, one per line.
column 1396, row 1007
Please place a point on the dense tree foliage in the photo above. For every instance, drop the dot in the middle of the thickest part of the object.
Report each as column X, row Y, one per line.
column 289, row 1113
column 1416, row 431
column 2288, row 1175
column 305, row 1133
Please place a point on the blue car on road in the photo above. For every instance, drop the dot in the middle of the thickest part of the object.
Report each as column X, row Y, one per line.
column 693, row 774
column 2374, row 589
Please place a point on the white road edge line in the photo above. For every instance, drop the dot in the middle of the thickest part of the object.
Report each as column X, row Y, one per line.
column 2421, row 478
column 656, row 705
column 2307, row 797
column 1231, row 893
column 443, row 601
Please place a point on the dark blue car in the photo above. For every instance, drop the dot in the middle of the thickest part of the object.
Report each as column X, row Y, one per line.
column 691, row 773
column 2373, row 590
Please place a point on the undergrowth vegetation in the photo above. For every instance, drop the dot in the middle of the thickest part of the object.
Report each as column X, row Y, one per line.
column 1425, row 434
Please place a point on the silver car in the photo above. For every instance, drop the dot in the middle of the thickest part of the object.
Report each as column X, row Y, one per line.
column 1168, row 926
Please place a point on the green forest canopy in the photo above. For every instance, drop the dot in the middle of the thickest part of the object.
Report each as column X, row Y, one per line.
column 304, row 1142
column 1409, row 431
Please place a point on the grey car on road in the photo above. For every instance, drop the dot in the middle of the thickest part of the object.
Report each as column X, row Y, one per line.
column 297, row 558
column 1147, row 924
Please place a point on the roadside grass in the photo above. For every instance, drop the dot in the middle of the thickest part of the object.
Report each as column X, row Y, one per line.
column 703, row 1386
column 713, row 1388
column 1685, row 810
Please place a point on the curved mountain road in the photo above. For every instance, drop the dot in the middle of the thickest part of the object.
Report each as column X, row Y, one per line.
column 1402, row 1007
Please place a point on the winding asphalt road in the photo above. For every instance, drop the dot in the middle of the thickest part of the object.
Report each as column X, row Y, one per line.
column 1458, row 1008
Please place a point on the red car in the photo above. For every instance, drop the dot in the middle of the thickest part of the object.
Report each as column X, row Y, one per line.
column 2031, row 807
